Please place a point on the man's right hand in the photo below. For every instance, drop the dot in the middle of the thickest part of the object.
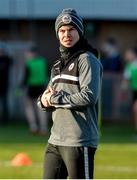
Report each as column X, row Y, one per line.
column 46, row 96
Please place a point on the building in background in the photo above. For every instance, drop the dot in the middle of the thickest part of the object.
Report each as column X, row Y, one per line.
column 32, row 22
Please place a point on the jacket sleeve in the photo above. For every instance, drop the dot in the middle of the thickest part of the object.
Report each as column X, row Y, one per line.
column 42, row 107
column 39, row 103
column 89, row 81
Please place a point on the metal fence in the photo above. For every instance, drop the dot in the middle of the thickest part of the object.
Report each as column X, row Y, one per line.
column 116, row 101
column 115, row 105
column 16, row 50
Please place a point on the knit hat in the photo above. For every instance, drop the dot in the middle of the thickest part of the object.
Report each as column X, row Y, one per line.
column 69, row 17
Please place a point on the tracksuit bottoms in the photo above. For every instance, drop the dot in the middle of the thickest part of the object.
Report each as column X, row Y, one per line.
column 61, row 162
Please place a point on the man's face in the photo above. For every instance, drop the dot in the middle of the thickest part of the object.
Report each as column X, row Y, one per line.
column 68, row 36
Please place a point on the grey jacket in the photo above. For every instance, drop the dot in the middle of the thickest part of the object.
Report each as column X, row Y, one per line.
column 74, row 111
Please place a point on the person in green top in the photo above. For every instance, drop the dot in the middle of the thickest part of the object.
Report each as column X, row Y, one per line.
column 130, row 75
column 35, row 79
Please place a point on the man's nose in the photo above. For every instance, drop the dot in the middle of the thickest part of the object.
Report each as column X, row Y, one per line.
column 67, row 33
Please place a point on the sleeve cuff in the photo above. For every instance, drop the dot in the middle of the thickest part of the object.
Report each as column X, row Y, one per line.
column 39, row 103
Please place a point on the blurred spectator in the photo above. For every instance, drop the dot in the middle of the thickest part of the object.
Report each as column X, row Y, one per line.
column 130, row 76
column 5, row 65
column 36, row 76
column 111, row 59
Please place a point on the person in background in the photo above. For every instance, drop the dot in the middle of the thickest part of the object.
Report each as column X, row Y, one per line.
column 130, row 79
column 36, row 78
column 5, row 66
column 72, row 95
column 111, row 59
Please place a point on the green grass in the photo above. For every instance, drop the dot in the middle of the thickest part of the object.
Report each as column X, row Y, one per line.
column 16, row 139
column 116, row 156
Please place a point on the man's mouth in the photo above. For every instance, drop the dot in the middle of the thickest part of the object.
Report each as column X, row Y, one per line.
column 68, row 40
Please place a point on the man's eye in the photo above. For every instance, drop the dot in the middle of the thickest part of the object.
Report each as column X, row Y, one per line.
column 72, row 29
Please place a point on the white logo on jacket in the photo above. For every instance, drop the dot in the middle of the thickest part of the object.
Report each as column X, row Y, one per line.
column 71, row 67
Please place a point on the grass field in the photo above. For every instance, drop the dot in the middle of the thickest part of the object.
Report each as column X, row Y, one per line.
column 116, row 157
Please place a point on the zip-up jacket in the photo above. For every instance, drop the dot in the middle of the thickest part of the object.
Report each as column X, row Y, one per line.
column 74, row 106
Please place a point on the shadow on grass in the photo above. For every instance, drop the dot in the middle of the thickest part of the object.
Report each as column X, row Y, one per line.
column 118, row 133
column 110, row 133
column 19, row 133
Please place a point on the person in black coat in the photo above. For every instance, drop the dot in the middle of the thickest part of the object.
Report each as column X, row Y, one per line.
column 5, row 64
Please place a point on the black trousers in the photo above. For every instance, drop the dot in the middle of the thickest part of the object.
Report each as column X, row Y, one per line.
column 5, row 110
column 74, row 162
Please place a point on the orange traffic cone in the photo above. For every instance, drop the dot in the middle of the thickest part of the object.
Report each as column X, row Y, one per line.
column 21, row 159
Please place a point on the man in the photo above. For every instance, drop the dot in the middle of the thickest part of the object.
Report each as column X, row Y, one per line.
column 111, row 59
column 5, row 67
column 130, row 79
column 72, row 96
column 35, row 79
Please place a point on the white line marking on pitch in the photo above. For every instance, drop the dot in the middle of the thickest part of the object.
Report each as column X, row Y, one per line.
column 103, row 168
column 117, row 168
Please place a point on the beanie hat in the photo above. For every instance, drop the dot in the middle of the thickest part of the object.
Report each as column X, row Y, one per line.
column 69, row 17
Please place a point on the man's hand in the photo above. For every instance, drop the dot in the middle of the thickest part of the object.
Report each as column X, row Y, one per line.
column 45, row 98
